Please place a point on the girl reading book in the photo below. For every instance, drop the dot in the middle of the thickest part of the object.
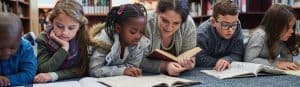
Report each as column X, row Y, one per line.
column 273, row 42
column 172, row 30
column 118, row 48
column 62, row 49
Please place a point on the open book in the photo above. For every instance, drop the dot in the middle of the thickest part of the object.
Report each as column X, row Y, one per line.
column 84, row 82
column 146, row 81
column 160, row 54
column 244, row 69
column 123, row 81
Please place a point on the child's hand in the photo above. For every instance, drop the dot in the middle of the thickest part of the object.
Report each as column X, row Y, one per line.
column 187, row 62
column 42, row 78
column 132, row 71
column 64, row 44
column 284, row 65
column 221, row 65
column 174, row 68
column 4, row 81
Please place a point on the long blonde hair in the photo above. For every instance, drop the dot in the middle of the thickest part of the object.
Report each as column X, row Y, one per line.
column 75, row 11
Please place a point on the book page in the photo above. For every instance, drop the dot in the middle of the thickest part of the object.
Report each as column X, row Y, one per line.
column 293, row 72
column 275, row 70
column 90, row 82
column 271, row 69
column 190, row 53
column 229, row 73
column 236, row 69
column 143, row 81
column 58, row 84
column 246, row 66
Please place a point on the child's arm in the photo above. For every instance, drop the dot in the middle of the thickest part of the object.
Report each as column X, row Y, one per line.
column 254, row 47
column 73, row 72
column 98, row 67
column 204, row 58
column 69, row 73
column 49, row 62
column 28, row 68
column 135, row 58
column 189, row 36
column 285, row 54
column 237, row 52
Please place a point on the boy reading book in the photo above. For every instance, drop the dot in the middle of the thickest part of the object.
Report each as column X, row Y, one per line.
column 18, row 63
column 160, row 54
column 244, row 69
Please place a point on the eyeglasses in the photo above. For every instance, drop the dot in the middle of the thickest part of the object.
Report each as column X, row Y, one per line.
column 226, row 25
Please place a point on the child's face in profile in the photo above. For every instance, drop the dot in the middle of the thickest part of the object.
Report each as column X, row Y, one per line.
column 65, row 27
column 289, row 30
column 9, row 43
column 132, row 31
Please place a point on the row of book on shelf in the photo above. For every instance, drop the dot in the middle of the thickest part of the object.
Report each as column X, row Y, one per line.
column 95, row 6
column 196, row 8
column 6, row 6
column 294, row 3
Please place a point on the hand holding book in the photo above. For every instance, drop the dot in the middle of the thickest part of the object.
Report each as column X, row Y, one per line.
column 163, row 55
column 174, row 68
column 187, row 62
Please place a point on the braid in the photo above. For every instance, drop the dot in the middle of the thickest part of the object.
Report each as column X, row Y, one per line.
column 141, row 9
column 120, row 14
column 110, row 20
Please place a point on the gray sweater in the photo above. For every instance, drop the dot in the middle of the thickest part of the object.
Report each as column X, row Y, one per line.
column 215, row 47
column 257, row 51
column 185, row 39
column 105, row 60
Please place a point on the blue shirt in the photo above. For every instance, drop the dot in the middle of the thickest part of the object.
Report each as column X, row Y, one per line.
column 215, row 46
column 21, row 67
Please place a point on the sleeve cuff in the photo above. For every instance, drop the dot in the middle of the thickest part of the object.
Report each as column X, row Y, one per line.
column 63, row 52
column 150, row 65
column 117, row 71
column 227, row 58
column 54, row 76
column 274, row 63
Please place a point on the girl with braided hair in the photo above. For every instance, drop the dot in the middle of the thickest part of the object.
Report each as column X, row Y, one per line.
column 119, row 46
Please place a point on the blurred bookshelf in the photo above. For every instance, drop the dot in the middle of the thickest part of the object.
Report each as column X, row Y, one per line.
column 251, row 11
column 94, row 10
column 22, row 8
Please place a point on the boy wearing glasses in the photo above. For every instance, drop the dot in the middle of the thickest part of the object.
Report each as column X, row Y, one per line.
column 220, row 37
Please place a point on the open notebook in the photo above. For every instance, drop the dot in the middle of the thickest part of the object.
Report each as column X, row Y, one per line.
column 244, row 69
column 124, row 81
